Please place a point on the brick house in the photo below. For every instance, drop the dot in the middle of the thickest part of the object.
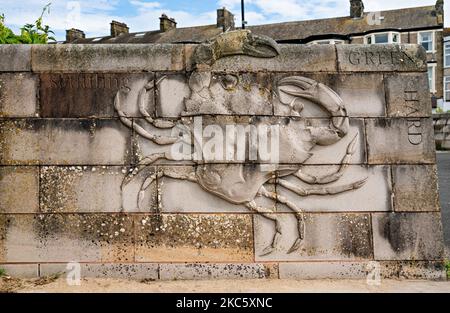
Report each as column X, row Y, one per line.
column 419, row 25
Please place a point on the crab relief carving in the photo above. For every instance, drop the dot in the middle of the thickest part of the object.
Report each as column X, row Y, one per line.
column 241, row 180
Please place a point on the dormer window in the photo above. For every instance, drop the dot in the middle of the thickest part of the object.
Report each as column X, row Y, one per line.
column 327, row 42
column 382, row 38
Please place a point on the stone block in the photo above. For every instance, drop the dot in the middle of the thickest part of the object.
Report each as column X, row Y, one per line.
column 93, row 189
column 21, row 270
column 18, row 95
column 66, row 237
column 64, row 141
column 114, row 58
column 292, row 58
column 19, row 189
column 405, row 95
column 323, row 270
column 381, row 58
column 413, row 270
column 134, row 271
column 15, row 58
column 361, row 93
column 93, row 95
column 171, row 92
column 407, row 236
column 391, row 141
column 374, row 195
column 228, row 94
column 207, row 271
column 415, row 188
column 327, row 237
column 194, row 238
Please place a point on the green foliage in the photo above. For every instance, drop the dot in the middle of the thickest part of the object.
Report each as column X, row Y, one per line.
column 36, row 33
column 2, row 272
column 447, row 266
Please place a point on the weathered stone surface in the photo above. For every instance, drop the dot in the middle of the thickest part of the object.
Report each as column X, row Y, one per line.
column 64, row 141
column 171, row 92
column 218, row 271
column 194, row 238
column 327, row 237
column 21, row 270
column 406, row 97
column 292, row 58
column 362, row 95
column 15, row 58
column 18, row 95
column 139, row 271
column 66, row 237
column 374, row 195
column 381, row 58
column 415, row 188
column 93, row 189
column 323, row 270
column 428, row 270
column 112, row 58
column 92, row 95
column 229, row 94
column 395, row 140
column 407, row 236
column 19, row 189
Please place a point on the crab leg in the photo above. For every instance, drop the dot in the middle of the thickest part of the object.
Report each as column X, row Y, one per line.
column 160, row 140
column 299, row 215
column 330, row 178
column 141, row 100
column 321, row 190
column 269, row 214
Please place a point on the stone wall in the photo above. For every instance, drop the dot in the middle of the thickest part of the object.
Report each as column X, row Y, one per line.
column 441, row 124
column 70, row 191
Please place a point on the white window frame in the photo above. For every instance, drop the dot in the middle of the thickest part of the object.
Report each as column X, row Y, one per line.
column 433, row 39
column 445, row 90
column 446, row 65
column 390, row 38
column 330, row 42
column 433, row 77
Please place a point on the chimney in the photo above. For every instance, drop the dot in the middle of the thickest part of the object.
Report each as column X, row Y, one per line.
column 118, row 28
column 356, row 9
column 439, row 7
column 166, row 23
column 225, row 19
column 74, row 34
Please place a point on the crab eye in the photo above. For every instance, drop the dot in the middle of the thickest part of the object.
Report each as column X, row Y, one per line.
column 229, row 82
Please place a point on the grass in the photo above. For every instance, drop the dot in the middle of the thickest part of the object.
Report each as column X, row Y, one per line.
column 2, row 272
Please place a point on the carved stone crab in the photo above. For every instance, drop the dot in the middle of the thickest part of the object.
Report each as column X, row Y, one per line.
column 240, row 183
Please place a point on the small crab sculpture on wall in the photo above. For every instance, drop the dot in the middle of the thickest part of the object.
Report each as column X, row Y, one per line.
column 242, row 183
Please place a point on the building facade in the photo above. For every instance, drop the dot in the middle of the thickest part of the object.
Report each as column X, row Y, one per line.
column 419, row 25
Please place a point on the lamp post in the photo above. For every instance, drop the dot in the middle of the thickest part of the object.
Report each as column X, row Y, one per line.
column 243, row 14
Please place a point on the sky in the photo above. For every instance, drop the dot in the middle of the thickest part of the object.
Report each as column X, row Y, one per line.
column 94, row 16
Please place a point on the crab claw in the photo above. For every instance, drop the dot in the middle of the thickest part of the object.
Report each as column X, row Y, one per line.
column 235, row 43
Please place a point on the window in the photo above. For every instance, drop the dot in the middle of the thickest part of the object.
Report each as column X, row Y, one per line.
column 426, row 40
column 447, row 88
column 447, row 54
column 431, row 77
column 327, row 42
column 382, row 38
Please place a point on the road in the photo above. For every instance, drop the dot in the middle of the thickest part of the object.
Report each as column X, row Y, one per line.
column 443, row 161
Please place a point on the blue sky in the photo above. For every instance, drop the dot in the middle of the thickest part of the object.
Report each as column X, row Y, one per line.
column 94, row 16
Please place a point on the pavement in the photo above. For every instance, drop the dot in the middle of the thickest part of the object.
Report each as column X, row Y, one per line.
column 443, row 163
column 95, row 285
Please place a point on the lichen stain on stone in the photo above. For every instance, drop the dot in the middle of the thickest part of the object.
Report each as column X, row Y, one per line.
column 354, row 235
column 5, row 222
column 398, row 232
